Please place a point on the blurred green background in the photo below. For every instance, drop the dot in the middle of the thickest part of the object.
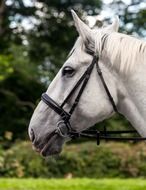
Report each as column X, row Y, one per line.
column 35, row 38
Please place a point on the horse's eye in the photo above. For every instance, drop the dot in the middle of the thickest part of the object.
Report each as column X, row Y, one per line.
column 68, row 71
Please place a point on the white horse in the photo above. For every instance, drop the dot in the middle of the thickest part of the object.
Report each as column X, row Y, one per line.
column 122, row 60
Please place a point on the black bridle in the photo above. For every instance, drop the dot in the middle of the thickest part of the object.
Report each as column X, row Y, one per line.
column 64, row 128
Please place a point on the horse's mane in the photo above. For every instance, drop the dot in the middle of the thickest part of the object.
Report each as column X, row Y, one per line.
column 126, row 52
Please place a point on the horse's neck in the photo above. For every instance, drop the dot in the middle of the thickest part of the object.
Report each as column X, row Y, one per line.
column 132, row 96
column 136, row 87
column 133, row 103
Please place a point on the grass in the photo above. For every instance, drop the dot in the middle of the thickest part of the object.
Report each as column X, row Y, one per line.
column 72, row 184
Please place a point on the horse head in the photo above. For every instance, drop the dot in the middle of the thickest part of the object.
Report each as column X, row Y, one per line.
column 93, row 105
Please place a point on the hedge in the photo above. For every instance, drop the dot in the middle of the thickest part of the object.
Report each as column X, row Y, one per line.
column 78, row 160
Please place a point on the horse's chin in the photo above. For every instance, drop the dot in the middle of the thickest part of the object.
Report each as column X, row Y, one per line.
column 50, row 147
column 53, row 146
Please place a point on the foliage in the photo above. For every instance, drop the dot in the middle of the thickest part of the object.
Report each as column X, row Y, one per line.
column 20, row 89
column 19, row 95
column 5, row 66
column 85, row 159
column 132, row 14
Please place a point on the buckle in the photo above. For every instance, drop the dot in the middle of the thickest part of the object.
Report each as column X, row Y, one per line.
column 98, row 137
column 63, row 129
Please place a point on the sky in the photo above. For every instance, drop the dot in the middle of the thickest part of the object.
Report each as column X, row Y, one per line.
column 110, row 1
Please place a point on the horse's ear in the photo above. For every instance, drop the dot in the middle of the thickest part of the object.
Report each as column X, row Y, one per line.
column 83, row 29
column 114, row 27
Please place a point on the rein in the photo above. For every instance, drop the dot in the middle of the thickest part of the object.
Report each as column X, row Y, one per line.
column 64, row 128
column 107, row 135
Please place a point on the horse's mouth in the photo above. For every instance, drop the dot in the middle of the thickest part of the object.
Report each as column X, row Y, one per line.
column 52, row 145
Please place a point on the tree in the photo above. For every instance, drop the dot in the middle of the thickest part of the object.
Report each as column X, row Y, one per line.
column 25, row 53
column 20, row 90
column 133, row 16
column 54, row 34
column 12, row 13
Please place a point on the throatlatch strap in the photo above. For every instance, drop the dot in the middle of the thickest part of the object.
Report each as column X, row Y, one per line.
column 73, row 90
column 106, row 88
column 87, row 76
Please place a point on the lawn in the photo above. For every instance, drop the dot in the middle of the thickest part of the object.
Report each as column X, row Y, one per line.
column 72, row 184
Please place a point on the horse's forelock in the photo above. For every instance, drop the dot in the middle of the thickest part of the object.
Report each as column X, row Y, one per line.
column 86, row 46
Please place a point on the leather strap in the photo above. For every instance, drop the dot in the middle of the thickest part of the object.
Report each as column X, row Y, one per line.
column 106, row 88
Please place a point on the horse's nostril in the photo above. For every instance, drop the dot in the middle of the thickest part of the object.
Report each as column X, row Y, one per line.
column 32, row 135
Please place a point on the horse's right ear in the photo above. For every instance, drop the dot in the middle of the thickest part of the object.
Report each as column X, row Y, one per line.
column 83, row 30
column 114, row 27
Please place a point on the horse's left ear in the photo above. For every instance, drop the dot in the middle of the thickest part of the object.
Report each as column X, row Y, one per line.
column 83, row 29
column 114, row 27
